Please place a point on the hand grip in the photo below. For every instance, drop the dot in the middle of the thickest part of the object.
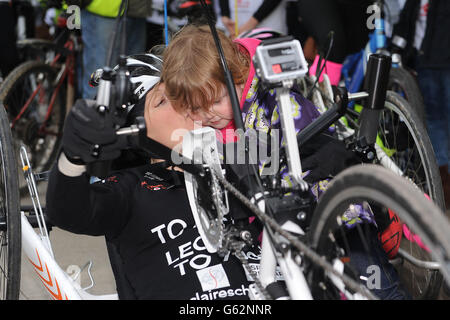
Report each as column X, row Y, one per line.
column 375, row 83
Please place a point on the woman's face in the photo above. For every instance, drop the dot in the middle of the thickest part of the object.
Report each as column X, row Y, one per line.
column 163, row 123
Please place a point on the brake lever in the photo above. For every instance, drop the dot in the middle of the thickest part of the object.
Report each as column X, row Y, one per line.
column 133, row 129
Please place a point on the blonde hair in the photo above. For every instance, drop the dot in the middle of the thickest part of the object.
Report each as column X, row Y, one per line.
column 192, row 69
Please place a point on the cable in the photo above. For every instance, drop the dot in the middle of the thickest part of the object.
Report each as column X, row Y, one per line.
column 123, row 34
column 232, row 92
column 236, row 24
column 166, row 24
column 296, row 241
column 237, row 113
column 123, row 5
column 228, row 76
column 330, row 46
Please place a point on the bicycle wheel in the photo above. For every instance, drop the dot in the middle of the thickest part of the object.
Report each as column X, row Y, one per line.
column 351, row 240
column 35, row 104
column 404, row 139
column 402, row 82
column 10, row 228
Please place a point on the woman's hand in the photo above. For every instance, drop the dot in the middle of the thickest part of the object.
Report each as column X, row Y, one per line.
column 90, row 136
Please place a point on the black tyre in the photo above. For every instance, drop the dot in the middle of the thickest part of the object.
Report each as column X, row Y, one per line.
column 337, row 238
column 406, row 141
column 10, row 225
column 403, row 82
column 36, row 49
column 33, row 84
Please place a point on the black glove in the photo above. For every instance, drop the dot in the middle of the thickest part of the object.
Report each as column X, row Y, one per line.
column 330, row 157
column 89, row 136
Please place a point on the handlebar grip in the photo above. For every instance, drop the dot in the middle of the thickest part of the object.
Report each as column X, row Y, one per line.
column 376, row 80
column 375, row 83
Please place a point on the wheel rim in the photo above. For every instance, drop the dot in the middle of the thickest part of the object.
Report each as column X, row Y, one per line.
column 31, row 129
column 399, row 141
column 4, row 248
column 410, row 160
column 341, row 245
column 3, row 232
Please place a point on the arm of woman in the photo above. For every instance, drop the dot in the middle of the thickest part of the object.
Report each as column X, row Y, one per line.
column 260, row 14
column 225, row 16
column 76, row 205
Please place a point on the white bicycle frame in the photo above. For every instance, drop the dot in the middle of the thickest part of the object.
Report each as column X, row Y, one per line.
column 39, row 252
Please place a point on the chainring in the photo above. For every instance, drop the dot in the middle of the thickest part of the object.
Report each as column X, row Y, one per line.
column 207, row 199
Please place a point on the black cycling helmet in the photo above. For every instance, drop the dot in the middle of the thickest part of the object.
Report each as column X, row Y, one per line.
column 145, row 72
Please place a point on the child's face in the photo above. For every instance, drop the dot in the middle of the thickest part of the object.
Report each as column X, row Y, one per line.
column 219, row 114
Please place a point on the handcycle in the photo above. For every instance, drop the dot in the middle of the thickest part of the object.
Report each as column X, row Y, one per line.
column 402, row 144
column 37, row 94
column 402, row 141
column 320, row 124
column 295, row 255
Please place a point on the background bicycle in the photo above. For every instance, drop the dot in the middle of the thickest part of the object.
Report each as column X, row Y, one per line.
column 402, row 80
column 37, row 94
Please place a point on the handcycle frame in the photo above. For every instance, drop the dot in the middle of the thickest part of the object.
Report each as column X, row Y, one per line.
column 38, row 249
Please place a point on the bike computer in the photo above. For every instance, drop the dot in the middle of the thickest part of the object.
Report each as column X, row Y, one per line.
column 277, row 60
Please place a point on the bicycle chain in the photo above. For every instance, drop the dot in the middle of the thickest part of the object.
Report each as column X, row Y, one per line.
column 237, row 249
column 229, row 244
column 302, row 247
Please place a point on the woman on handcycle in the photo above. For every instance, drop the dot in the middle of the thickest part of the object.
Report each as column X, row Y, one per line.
column 144, row 211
